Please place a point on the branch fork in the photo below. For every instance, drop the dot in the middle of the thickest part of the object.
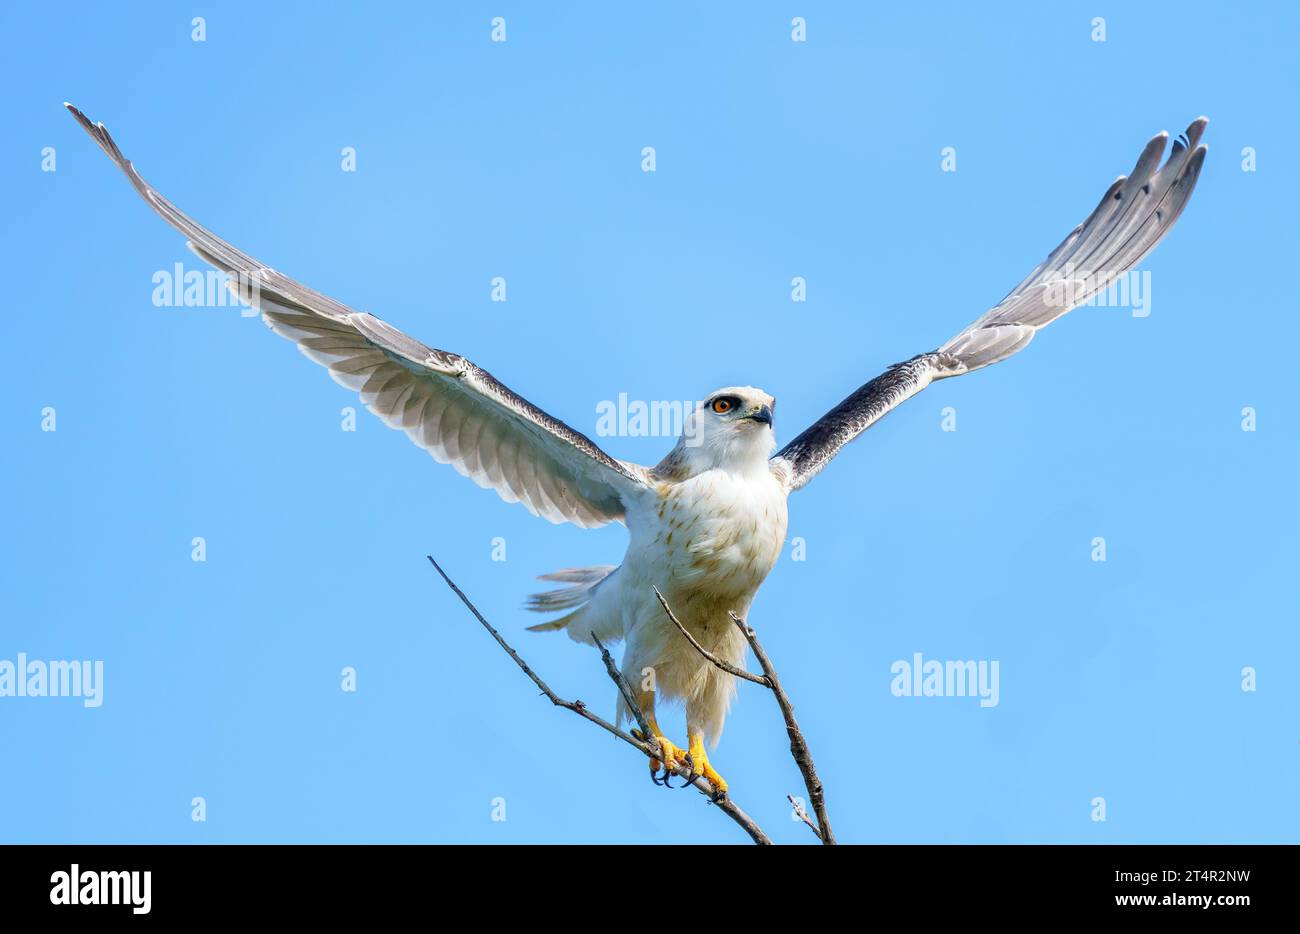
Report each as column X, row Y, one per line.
column 650, row 749
column 768, row 679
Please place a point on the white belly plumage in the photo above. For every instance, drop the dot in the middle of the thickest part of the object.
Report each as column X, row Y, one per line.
column 707, row 544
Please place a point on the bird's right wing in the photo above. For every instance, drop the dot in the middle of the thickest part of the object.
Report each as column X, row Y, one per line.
column 457, row 412
column 1133, row 216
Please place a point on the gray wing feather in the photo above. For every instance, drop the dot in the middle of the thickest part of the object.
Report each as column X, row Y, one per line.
column 1133, row 216
column 453, row 409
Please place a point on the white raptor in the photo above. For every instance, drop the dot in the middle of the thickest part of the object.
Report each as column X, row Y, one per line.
column 708, row 522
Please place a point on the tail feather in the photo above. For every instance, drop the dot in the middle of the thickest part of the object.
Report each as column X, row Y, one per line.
column 590, row 575
column 554, row 625
column 582, row 584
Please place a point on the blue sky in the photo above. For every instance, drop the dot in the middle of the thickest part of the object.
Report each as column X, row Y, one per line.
column 1119, row 679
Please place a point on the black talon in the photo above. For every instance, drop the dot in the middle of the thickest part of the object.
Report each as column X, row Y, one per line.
column 691, row 774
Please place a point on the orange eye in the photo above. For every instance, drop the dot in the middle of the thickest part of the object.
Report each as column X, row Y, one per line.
column 722, row 406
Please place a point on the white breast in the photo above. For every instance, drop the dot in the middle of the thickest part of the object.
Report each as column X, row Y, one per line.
column 716, row 534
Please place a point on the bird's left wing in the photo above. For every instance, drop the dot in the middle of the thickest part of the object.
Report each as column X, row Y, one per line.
column 1133, row 216
column 453, row 409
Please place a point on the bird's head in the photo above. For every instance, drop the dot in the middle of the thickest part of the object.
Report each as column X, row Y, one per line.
column 730, row 429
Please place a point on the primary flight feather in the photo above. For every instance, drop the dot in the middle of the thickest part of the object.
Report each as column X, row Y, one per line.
column 707, row 523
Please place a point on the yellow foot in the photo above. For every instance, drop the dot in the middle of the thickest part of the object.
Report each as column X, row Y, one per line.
column 671, row 759
column 699, row 762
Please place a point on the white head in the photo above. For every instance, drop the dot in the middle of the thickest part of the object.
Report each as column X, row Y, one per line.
column 730, row 430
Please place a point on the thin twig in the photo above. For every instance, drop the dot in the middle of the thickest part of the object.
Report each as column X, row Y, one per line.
column 719, row 662
column 800, row 813
column 798, row 745
column 624, row 688
column 650, row 750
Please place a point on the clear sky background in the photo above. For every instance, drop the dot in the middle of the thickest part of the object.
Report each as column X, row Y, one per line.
column 522, row 159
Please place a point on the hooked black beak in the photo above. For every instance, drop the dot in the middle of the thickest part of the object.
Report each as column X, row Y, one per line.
column 763, row 416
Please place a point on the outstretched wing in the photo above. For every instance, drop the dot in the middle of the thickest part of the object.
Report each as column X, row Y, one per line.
column 457, row 412
column 1133, row 216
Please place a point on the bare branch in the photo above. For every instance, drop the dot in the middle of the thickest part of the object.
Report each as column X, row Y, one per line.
column 800, row 813
column 650, row 750
column 718, row 662
column 798, row 745
column 624, row 688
